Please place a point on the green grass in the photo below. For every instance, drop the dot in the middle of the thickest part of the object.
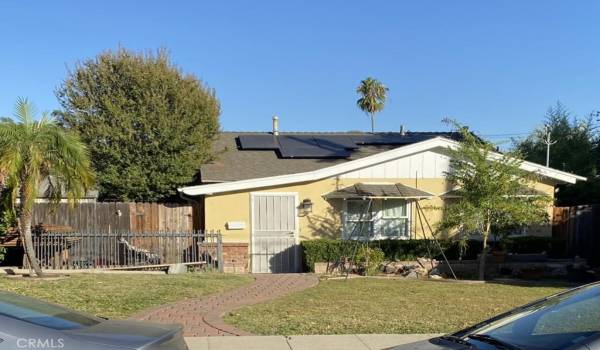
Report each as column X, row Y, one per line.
column 122, row 295
column 383, row 306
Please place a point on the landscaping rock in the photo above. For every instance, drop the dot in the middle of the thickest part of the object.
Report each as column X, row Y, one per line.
column 419, row 268
column 392, row 269
column 176, row 269
column 412, row 274
column 321, row 268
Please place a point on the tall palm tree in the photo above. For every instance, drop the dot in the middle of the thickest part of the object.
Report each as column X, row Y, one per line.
column 35, row 150
column 372, row 98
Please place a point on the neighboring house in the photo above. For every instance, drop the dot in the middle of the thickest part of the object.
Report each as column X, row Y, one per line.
column 90, row 196
column 266, row 191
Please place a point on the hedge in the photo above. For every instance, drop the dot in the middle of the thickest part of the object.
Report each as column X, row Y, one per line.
column 332, row 250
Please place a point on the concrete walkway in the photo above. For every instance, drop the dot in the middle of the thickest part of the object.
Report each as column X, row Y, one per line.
column 203, row 317
column 306, row 342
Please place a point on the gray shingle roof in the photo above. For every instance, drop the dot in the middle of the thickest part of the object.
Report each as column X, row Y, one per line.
column 364, row 190
column 232, row 163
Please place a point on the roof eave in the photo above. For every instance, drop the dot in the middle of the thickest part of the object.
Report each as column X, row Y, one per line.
column 361, row 163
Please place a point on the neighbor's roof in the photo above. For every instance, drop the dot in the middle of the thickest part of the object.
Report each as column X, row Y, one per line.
column 334, row 169
column 233, row 163
column 45, row 184
column 379, row 190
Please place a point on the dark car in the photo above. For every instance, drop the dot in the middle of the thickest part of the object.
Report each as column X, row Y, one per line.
column 566, row 321
column 26, row 323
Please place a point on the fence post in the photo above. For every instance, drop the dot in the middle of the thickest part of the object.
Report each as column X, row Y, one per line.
column 220, row 251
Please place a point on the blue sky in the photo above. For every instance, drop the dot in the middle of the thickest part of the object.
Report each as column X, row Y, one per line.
column 494, row 65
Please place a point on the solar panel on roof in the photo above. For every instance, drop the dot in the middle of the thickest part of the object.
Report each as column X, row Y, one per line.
column 258, row 142
column 304, row 146
column 297, row 141
column 335, row 141
column 313, row 153
column 325, row 145
column 388, row 139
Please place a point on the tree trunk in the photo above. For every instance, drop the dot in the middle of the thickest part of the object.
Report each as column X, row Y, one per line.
column 27, row 240
column 483, row 257
column 372, row 123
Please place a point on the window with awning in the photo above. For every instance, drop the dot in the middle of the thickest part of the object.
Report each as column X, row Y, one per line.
column 377, row 211
column 376, row 219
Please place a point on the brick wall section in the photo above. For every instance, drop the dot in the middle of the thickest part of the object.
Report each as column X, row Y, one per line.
column 236, row 257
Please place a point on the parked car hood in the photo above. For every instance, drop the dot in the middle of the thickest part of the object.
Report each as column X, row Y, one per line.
column 130, row 334
column 432, row 344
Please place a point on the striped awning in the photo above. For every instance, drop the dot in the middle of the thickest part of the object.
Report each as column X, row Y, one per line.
column 365, row 190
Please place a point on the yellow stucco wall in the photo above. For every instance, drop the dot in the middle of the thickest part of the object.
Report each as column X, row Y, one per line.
column 325, row 219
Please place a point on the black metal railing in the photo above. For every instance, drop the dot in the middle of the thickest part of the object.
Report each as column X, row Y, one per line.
column 105, row 250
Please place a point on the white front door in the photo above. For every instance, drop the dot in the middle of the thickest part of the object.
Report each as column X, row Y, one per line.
column 274, row 233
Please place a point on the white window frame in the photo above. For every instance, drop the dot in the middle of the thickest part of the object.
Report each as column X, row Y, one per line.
column 407, row 216
column 345, row 231
column 377, row 219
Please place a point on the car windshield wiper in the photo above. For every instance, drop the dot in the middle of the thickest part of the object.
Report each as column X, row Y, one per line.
column 488, row 339
column 454, row 339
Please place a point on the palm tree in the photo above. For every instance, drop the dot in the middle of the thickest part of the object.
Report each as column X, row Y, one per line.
column 35, row 150
column 372, row 98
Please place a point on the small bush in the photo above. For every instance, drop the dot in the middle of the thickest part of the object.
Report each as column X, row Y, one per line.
column 369, row 259
column 527, row 244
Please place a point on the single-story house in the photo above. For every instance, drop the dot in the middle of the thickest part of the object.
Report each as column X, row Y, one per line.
column 267, row 191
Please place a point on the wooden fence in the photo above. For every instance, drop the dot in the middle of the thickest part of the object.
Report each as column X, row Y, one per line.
column 118, row 216
column 579, row 227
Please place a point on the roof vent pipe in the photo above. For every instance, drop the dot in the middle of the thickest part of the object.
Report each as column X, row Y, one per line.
column 402, row 132
column 275, row 126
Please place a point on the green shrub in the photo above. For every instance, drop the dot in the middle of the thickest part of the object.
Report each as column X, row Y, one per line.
column 527, row 244
column 369, row 259
column 330, row 250
column 7, row 221
column 334, row 250
column 555, row 248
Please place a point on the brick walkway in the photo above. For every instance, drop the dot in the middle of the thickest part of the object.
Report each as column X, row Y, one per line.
column 203, row 317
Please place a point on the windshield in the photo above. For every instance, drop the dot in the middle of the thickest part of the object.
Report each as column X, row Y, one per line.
column 43, row 314
column 556, row 323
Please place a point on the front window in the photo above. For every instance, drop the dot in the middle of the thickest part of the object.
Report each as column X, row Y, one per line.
column 377, row 219
column 359, row 219
column 394, row 219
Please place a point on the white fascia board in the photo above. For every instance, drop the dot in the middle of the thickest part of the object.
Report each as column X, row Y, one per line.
column 338, row 169
column 313, row 175
column 542, row 170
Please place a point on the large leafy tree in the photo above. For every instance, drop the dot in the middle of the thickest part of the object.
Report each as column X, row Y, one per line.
column 493, row 192
column 148, row 126
column 372, row 98
column 35, row 150
column 575, row 149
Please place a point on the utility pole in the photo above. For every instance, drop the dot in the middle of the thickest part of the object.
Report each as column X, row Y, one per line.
column 548, row 141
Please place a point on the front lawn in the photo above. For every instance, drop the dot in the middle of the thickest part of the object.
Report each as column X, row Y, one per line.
column 122, row 295
column 383, row 306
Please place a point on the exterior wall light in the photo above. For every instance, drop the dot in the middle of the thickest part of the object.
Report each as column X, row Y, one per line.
column 306, row 206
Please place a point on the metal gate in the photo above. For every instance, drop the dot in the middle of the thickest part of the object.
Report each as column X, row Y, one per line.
column 116, row 249
column 275, row 246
